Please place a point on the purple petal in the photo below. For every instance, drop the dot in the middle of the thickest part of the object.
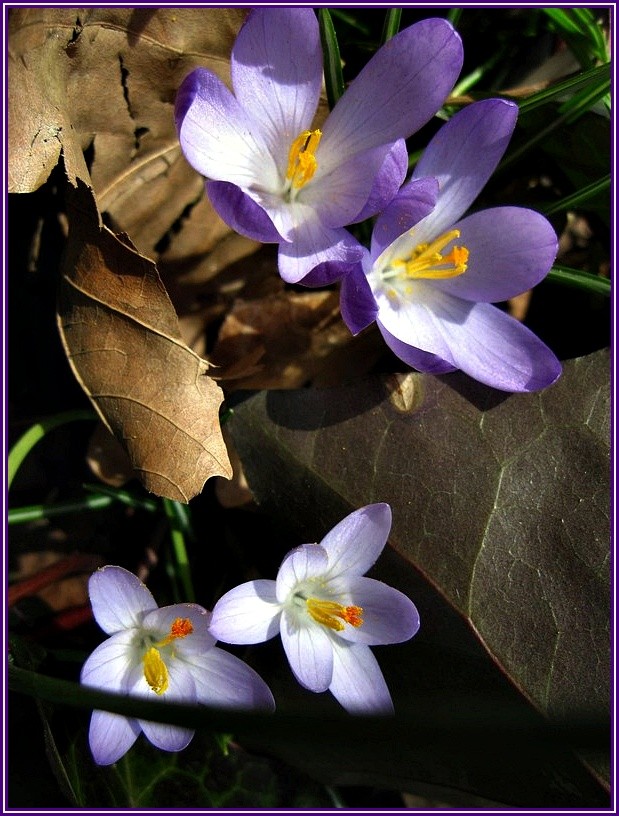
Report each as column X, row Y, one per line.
column 223, row 680
column 218, row 138
column 110, row 736
column 327, row 273
column 398, row 91
column 510, row 250
column 342, row 186
column 480, row 339
column 412, row 203
column 160, row 621
column 309, row 650
column 358, row 683
column 119, row 599
column 241, row 213
column 109, row 666
column 357, row 303
column 277, row 73
column 302, row 563
column 249, row 613
column 414, row 357
column 387, row 181
column 315, row 244
column 463, row 156
column 388, row 615
column 355, row 543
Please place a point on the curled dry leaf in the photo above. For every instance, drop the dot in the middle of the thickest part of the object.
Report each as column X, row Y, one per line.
column 122, row 338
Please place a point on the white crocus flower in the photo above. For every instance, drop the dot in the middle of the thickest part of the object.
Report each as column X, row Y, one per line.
column 327, row 613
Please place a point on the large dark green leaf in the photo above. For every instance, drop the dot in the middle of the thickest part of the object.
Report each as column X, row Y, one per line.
column 500, row 501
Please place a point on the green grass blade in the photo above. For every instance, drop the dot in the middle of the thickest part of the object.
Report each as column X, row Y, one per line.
column 178, row 525
column 580, row 197
column 567, row 87
column 35, row 433
column 334, row 79
column 391, row 25
column 124, row 497
column 579, row 280
column 36, row 512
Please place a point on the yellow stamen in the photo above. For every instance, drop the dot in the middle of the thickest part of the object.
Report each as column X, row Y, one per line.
column 155, row 671
column 428, row 262
column 331, row 614
column 180, row 628
column 302, row 162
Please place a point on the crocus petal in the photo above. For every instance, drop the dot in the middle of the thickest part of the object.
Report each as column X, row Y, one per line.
column 357, row 303
column 306, row 561
column 510, row 250
column 463, row 156
column 355, row 543
column 414, row 357
column 241, row 212
column 327, row 273
column 200, row 640
column 388, row 615
column 218, row 137
column 277, row 73
column 110, row 736
column 358, row 683
column 412, row 203
column 480, row 339
column 309, row 650
column 342, row 194
column 398, row 91
column 249, row 613
column 223, row 680
column 315, row 244
column 118, row 599
column 109, row 666
column 182, row 688
column 387, row 181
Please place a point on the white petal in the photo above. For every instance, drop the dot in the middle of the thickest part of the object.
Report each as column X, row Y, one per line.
column 249, row 613
column 119, row 599
column 358, row 683
column 223, row 680
column 309, row 650
column 301, row 564
column 160, row 621
column 388, row 615
column 110, row 736
column 355, row 543
column 109, row 666
column 181, row 688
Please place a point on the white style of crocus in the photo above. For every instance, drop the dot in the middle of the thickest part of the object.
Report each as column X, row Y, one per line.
column 327, row 613
column 274, row 178
column 166, row 654
column 431, row 276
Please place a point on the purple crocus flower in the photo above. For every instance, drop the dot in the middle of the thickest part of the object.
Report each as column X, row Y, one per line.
column 430, row 278
column 165, row 653
column 327, row 613
column 273, row 178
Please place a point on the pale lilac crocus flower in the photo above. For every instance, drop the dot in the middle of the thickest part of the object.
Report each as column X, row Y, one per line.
column 327, row 613
column 274, row 178
column 431, row 276
column 166, row 654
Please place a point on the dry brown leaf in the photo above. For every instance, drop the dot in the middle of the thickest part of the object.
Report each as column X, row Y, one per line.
column 296, row 331
column 107, row 458
column 122, row 338
column 106, row 79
